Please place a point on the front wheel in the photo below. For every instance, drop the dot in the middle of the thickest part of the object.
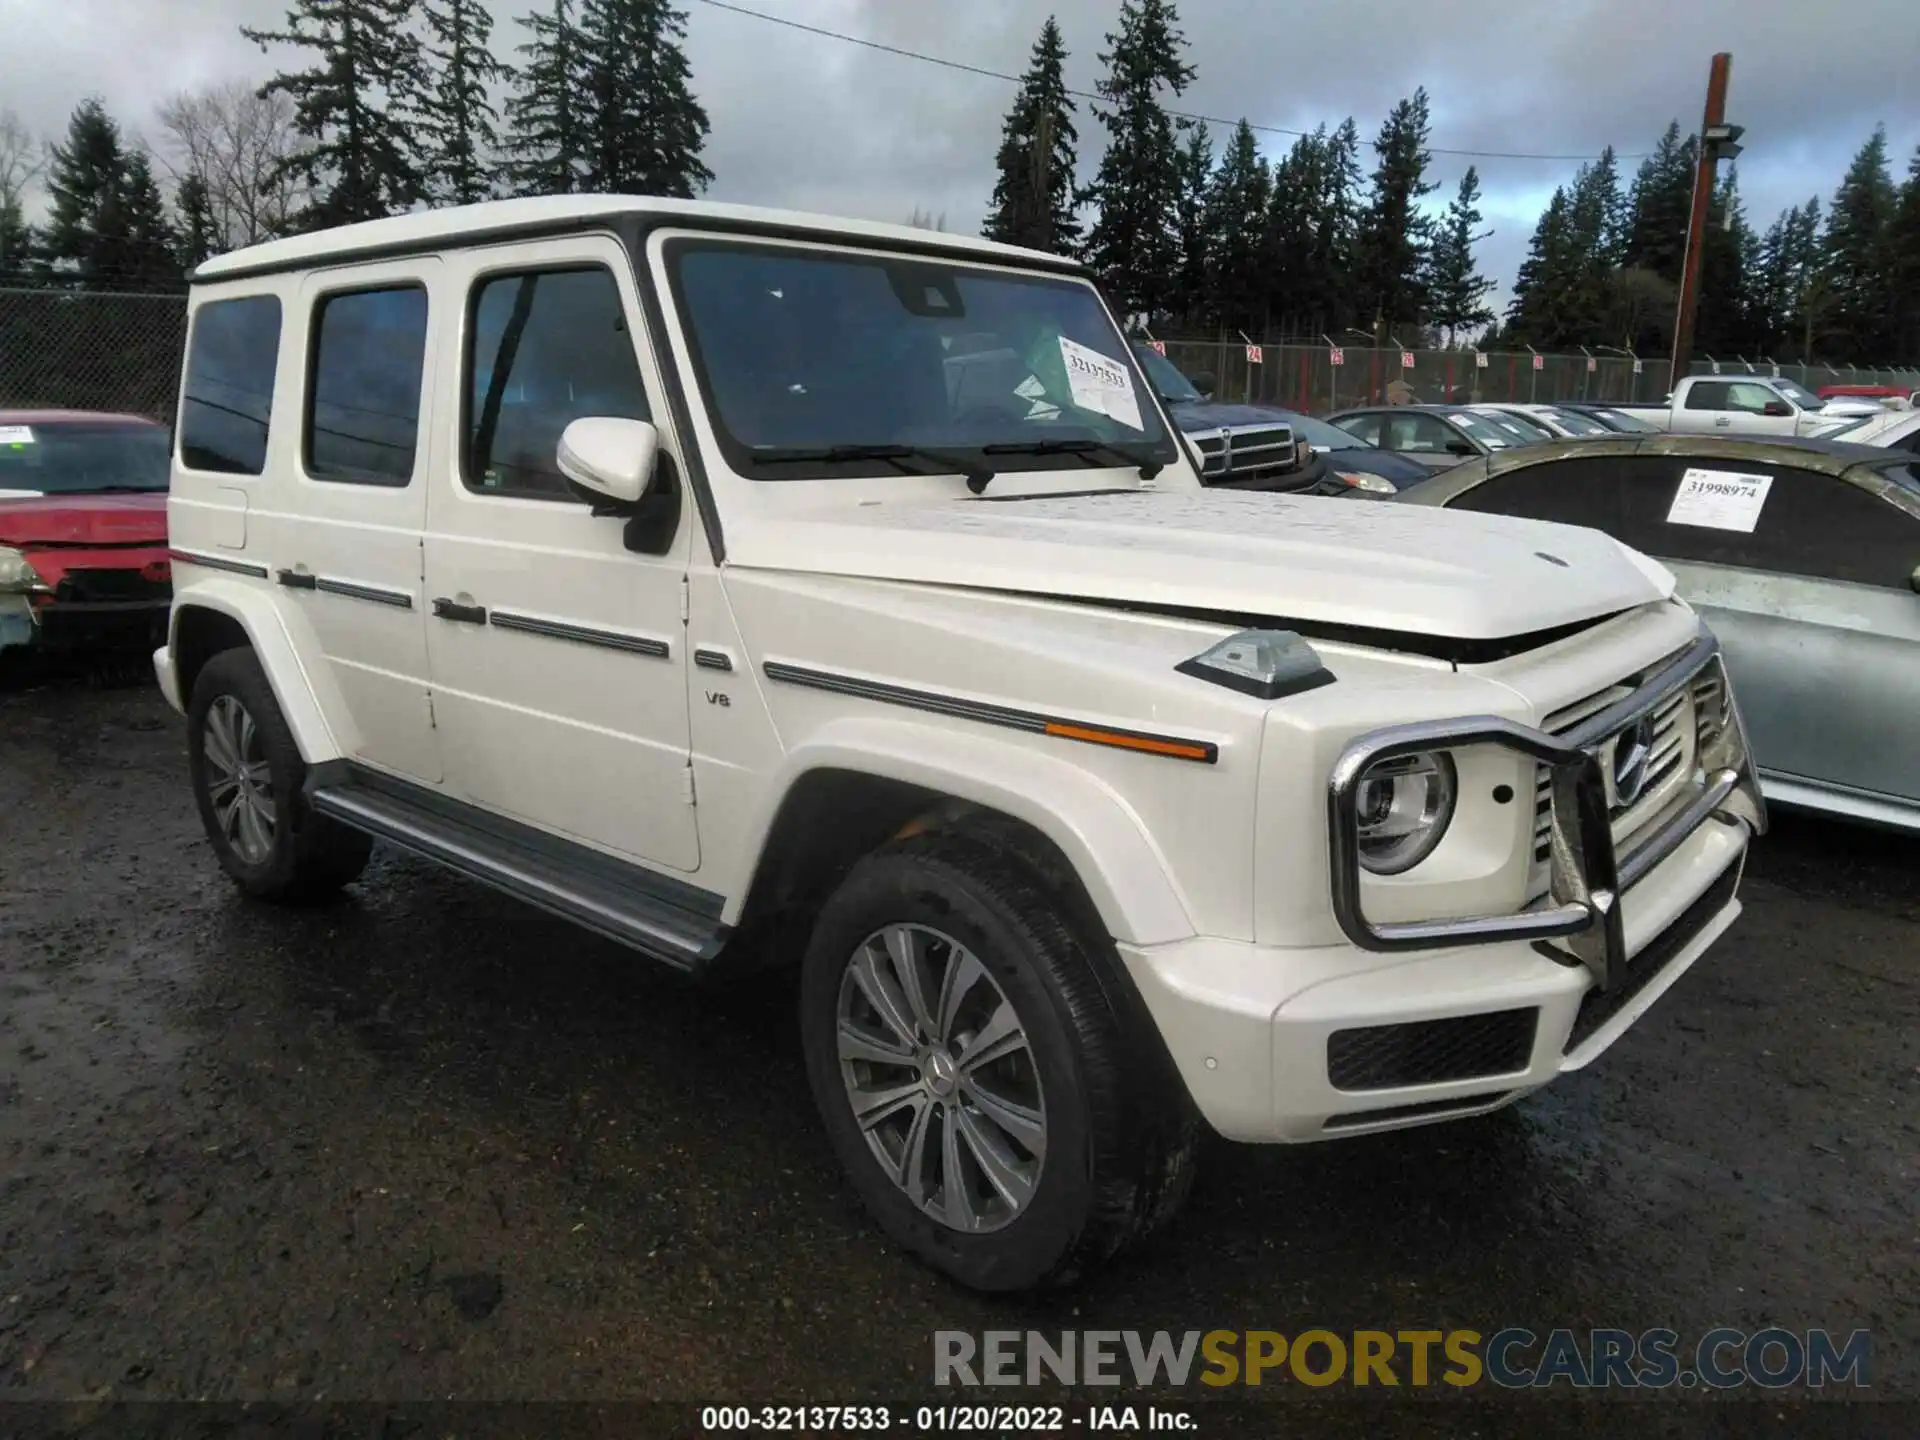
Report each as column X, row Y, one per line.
column 1000, row 1109
column 247, row 773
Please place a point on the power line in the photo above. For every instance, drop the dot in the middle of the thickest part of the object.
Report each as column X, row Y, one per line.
column 965, row 68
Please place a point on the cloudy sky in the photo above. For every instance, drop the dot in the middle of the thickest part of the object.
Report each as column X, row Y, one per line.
column 810, row 122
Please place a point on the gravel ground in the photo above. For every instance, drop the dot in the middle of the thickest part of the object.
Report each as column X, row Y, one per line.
column 426, row 1143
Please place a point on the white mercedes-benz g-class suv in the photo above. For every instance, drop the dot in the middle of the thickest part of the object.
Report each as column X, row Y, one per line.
column 649, row 561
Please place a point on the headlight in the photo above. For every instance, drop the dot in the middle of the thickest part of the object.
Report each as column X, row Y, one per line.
column 1404, row 805
column 16, row 575
column 1361, row 480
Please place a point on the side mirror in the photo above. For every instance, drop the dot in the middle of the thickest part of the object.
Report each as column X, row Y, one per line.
column 1203, row 382
column 1913, row 580
column 609, row 456
column 1777, row 408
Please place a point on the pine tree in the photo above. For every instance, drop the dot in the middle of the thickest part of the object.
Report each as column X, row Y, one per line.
column 1903, row 265
column 353, row 104
column 1238, row 205
column 1295, row 287
column 1537, row 313
column 147, row 245
column 1593, row 240
column 546, row 134
column 1394, row 233
column 1190, row 299
column 196, row 231
column 1456, row 290
column 645, row 130
column 1659, row 206
column 1725, row 321
column 1134, row 246
column 1855, row 246
column 457, row 120
column 17, row 246
column 1033, row 199
column 86, row 177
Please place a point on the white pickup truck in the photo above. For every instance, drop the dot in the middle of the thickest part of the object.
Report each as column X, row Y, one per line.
column 1744, row 405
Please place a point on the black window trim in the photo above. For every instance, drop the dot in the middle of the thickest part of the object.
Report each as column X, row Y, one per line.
column 186, row 374
column 736, row 455
column 523, row 266
column 423, row 410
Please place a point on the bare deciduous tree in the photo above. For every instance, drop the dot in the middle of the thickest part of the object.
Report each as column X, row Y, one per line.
column 22, row 158
column 233, row 138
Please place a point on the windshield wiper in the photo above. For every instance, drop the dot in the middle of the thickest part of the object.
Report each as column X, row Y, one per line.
column 1092, row 451
column 944, row 461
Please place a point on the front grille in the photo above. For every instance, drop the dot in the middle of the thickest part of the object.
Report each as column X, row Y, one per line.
column 1251, row 454
column 1430, row 1052
column 1600, row 1006
column 103, row 587
column 1676, row 741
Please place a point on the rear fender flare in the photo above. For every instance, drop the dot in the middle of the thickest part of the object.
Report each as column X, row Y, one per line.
column 289, row 653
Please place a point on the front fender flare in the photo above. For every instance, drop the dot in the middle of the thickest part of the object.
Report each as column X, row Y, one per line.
column 1102, row 837
column 289, row 653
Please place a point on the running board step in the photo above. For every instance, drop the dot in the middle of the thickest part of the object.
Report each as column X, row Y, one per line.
column 666, row 919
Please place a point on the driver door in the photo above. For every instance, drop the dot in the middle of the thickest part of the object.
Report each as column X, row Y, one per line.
column 558, row 655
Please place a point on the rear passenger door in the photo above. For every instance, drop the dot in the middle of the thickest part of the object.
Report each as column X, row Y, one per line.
column 346, row 547
column 1703, row 408
column 559, row 654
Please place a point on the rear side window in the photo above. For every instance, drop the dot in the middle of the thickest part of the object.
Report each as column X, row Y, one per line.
column 363, row 394
column 226, row 395
column 544, row 348
column 1571, row 492
column 1710, row 396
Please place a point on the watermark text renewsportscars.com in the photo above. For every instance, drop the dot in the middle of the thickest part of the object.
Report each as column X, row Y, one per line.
column 1513, row 1357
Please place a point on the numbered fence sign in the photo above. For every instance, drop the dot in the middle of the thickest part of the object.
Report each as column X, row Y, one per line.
column 1159, row 347
column 1539, row 362
column 1479, row 359
column 1336, row 356
column 1592, row 364
column 1636, row 367
column 1254, row 355
column 1406, row 359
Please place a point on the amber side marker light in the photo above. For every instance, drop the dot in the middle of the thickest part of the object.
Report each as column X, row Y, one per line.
column 1121, row 740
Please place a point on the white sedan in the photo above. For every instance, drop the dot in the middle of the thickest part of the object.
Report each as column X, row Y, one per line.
column 1890, row 429
column 1551, row 421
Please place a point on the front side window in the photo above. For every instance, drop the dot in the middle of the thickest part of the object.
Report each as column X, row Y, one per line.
column 226, row 394
column 77, row 458
column 363, row 394
column 1417, row 435
column 818, row 363
column 544, row 348
column 1174, row 387
column 1365, row 428
column 1750, row 399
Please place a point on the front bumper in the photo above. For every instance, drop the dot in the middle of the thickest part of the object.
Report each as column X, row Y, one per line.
column 1415, row 1022
column 69, row 625
column 1261, row 1035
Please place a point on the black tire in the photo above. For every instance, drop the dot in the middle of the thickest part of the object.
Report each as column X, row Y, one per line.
column 1121, row 1130
column 311, row 856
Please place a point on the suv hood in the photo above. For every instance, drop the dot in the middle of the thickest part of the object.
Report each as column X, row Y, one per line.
column 120, row 519
column 1445, row 573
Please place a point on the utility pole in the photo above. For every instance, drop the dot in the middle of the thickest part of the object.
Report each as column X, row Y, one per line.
column 1717, row 141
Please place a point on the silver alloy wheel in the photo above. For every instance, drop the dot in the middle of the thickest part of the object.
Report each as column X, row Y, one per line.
column 239, row 780
column 941, row 1078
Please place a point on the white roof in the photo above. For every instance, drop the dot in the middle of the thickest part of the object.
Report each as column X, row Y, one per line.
column 456, row 223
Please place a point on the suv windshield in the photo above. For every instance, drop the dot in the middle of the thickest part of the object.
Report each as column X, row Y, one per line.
column 1165, row 377
column 1322, row 436
column 72, row 459
column 808, row 357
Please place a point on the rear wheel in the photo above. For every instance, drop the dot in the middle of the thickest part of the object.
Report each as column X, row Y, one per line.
column 247, row 777
column 1000, row 1107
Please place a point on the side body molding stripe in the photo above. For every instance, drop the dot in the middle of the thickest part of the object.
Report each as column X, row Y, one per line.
column 1171, row 746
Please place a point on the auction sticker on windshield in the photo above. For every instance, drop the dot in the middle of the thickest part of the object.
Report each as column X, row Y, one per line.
column 16, row 435
column 1719, row 500
column 1099, row 384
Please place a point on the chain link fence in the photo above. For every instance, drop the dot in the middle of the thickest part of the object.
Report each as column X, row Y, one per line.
column 95, row 350
column 91, row 350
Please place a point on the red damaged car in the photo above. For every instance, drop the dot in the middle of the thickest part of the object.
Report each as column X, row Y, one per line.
column 83, row 530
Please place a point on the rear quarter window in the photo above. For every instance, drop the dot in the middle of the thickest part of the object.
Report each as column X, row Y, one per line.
column 226, row 392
